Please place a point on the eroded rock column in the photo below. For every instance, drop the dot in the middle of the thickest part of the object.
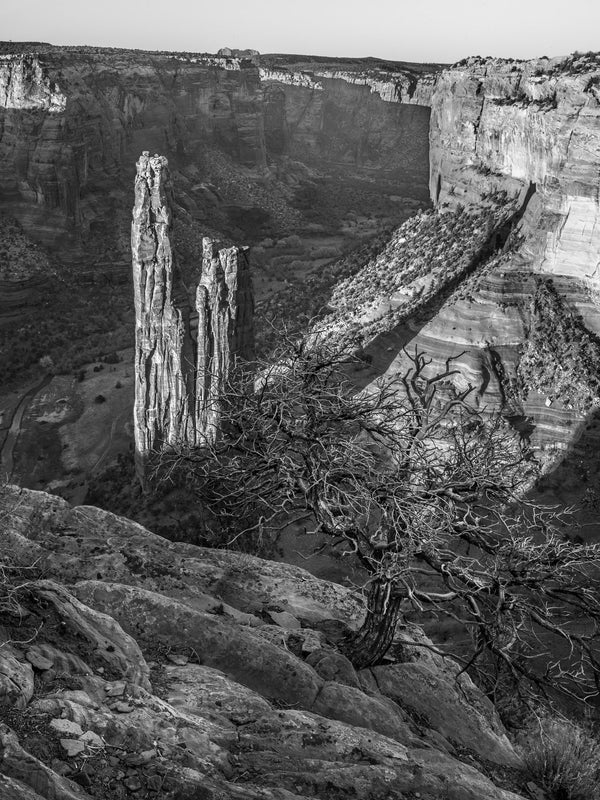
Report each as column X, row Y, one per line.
column 225, row 328
column 178, row 375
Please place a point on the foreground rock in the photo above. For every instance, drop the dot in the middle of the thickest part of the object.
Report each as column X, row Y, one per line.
column 149, row 683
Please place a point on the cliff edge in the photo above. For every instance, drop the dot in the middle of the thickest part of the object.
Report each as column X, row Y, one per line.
column 139, row 667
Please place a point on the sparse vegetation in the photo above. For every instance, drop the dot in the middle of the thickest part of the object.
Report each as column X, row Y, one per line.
column 560, row 358
column 563, row 759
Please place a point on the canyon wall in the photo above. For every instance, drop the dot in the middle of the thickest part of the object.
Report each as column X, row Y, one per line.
column 497, row 126
column 522, row 139
column 72, row 121
column 187, row 338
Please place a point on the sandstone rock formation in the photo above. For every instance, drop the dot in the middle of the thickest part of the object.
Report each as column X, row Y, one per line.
column 25, row 84
column 504, row 125
column 155, row 671
column 515, row 147
column 180, row 372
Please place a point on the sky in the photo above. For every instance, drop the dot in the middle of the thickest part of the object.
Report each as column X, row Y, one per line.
column 419, row 30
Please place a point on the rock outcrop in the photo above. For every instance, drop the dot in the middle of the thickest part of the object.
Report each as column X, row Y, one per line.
column 25, row 84
column 157, row 672
column 500, row 126
column 514, row 148
column 180, row 371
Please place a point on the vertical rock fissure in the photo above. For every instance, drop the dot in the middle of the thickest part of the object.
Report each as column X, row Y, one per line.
column 179, row 378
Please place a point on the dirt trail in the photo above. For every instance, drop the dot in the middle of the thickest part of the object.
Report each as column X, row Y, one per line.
column 7, row 448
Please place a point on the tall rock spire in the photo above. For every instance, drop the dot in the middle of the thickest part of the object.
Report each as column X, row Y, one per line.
column 179, row 376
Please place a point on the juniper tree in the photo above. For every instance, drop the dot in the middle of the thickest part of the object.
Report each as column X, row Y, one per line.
column 424, row 490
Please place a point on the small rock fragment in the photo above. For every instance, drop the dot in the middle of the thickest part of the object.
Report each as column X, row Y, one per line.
column 122, row 708
column 66, row 726
column 284, row 619
column 38, row 660
column 137, row 759
column 133, row 784
column 115, row 689
column 92, row 739
column 73, row 747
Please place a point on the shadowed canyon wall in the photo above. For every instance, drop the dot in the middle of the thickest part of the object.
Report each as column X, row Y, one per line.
column 74, row 120
column 187, row 338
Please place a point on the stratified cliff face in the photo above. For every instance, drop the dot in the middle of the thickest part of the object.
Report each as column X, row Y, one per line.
column 73, row 120
column 523, row 136
column 179, row 374
column 501, row 125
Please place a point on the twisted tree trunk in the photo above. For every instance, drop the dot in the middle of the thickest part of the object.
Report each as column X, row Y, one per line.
column 368, row 646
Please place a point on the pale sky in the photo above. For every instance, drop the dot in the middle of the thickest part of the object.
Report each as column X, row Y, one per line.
column 419, row 30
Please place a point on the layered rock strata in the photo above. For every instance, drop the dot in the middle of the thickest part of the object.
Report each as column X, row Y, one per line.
column 62, row 174
column 502, row 125
column 180, row 368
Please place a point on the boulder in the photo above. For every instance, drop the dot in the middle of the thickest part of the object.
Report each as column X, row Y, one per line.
column 109, row 641
column 454, row 708
column 16, row 680
column 246, row 658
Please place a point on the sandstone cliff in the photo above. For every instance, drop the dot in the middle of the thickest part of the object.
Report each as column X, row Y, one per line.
column 180, row 372
column 502, row 125
column 74, row 119
column 517, row 146
column 141, row 667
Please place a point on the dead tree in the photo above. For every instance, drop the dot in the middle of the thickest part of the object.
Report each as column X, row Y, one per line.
column 422, row 489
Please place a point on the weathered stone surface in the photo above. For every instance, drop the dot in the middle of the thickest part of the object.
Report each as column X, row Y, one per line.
column 208, row 580
column 110, row 642
column 16, row 681
column 17, row 764
column 180, row 376
column 455, row 712
column 333, row 666
column 271, row 671
column 346, row 704
column 204, row 690
column 223, row 728
column 11, row 789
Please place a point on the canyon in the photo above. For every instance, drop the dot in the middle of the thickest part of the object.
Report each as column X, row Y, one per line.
column 452, row 210
column 286, row 154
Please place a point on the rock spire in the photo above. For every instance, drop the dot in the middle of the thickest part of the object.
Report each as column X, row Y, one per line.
column 180, row 372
